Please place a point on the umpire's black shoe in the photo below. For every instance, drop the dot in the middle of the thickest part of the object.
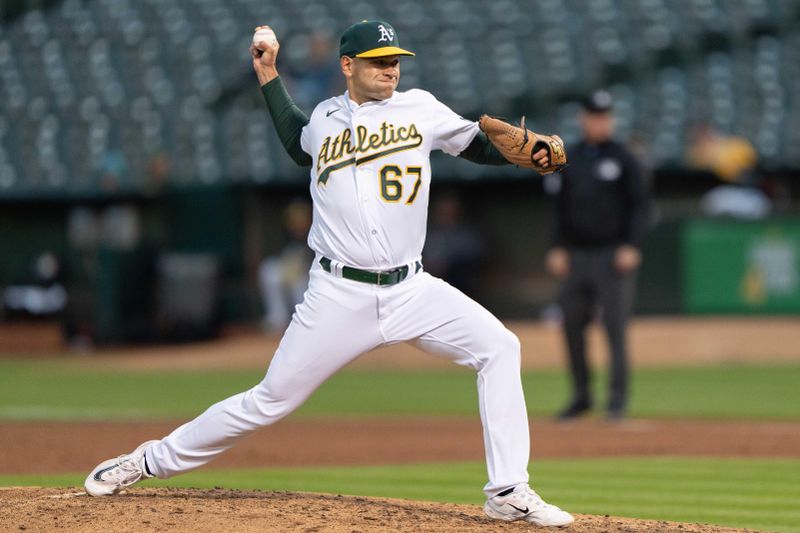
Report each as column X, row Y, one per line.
column 574, row 410
column 615, row 414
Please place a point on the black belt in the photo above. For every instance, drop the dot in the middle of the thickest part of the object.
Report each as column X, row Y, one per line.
column 387, row 277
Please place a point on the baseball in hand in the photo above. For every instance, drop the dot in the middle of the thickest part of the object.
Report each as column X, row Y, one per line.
column 266, row 35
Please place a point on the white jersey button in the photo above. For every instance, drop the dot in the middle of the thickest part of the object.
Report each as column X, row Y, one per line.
column 374, row 232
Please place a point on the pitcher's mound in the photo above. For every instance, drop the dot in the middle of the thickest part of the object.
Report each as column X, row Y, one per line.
column 193, row 510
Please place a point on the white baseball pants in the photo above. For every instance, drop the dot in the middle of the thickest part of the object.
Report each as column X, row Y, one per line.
column 339, row 320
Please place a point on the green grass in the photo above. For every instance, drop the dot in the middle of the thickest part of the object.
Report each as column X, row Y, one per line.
column 56, row 390
column 760, row 494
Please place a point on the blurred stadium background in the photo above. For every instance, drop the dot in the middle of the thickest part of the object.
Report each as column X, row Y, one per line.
column 141, row 182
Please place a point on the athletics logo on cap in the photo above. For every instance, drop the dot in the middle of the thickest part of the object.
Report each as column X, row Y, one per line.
column 371, row 38
column 386, row 35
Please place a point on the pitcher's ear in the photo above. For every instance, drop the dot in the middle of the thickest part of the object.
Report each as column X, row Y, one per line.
column 346, row 63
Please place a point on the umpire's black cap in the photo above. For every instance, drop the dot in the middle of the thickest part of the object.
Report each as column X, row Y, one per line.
column 599, row 101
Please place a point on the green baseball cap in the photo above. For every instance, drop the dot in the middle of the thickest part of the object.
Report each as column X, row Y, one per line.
column 371, row 38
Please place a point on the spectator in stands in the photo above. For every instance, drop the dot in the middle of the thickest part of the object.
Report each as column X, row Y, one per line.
column 283, row 278
column 159, row 166
column 112, row 171
column 600, row 216
column 453, row 248
column 732, row 159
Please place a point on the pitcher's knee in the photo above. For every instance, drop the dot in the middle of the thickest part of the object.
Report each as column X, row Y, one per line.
column 513, row 345
column 511, row 342
column 271, row 403
column 505, row 349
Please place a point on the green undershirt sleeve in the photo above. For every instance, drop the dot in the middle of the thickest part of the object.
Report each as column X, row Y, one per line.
column 288, row 119
column 482, row 151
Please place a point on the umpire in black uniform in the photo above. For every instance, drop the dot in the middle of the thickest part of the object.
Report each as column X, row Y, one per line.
column 599, row 220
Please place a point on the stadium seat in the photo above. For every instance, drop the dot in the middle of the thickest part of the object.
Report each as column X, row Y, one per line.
column 117, row 82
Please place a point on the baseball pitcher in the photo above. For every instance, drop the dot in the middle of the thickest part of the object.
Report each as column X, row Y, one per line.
column 369, row 156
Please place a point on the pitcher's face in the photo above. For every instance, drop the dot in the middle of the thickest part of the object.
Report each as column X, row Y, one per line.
column 370, row 79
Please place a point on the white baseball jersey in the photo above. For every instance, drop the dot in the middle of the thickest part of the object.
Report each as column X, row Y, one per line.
column 370, row 181
column 371, row 174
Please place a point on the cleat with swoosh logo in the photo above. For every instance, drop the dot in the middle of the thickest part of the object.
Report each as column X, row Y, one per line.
column 114, row 475
column 522, row 503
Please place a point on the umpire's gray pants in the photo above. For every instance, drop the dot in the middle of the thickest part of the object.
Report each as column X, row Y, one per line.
column 594, row 284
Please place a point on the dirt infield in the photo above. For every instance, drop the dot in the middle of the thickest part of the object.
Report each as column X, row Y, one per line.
column 67, row 447
column 653, row 342
column 184, row 510
column 63, row 447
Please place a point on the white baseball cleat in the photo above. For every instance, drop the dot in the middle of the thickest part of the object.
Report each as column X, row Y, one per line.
column 524, row 504
column 110, row 477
